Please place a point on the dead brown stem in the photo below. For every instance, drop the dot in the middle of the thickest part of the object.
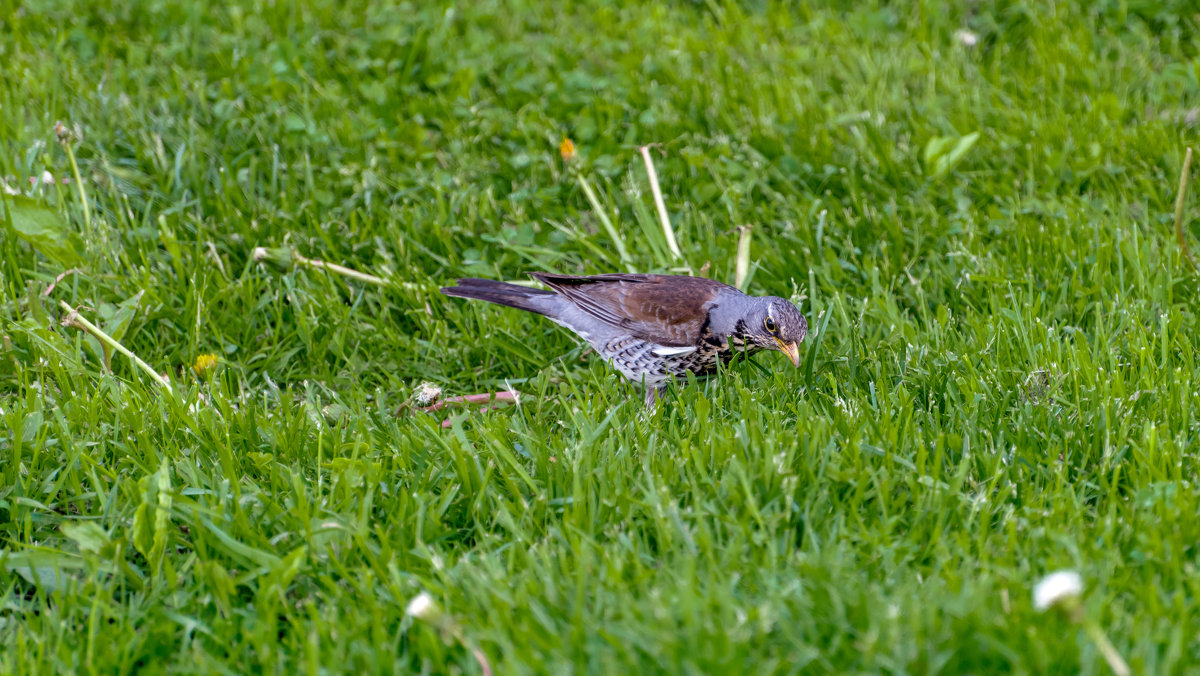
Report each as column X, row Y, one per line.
column 1179, row 200
column 482, row 398
column 50, row 289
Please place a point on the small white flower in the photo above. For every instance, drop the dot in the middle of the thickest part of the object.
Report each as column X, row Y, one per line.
column 1056, row 588
column 780, row 462
column 966, row 38
column 424, row 608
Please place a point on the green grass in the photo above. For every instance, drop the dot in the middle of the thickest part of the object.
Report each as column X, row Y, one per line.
column 1007, row 381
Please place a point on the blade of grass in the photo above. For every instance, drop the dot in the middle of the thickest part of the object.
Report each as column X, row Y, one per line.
column 65, row 137
column 743, row 258
column 608, row 224
column 660, row 205
column 810, row 361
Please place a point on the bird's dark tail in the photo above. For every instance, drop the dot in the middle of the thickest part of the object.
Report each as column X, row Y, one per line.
column 503, row 293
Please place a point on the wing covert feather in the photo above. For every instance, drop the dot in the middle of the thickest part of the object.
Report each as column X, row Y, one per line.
column 668, row 310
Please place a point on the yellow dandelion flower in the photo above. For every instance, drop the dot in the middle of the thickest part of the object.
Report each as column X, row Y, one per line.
column 567, row 149
column 204, row 364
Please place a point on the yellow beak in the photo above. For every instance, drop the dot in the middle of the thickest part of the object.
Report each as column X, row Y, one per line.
column 791, row 350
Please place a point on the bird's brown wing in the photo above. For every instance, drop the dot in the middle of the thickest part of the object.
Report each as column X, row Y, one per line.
column 668, row 310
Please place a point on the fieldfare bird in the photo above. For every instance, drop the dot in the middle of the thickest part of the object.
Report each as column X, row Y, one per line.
column 654, row 327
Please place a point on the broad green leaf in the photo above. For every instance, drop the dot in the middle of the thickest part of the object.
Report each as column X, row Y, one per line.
column 217, row 580
column 115, row 321
column 31, row 426
column 143, row 530
column 88, row 535
column 936, row 148
column 43, row 568
column 946, row 162
column 45, row 230
column 942, row 153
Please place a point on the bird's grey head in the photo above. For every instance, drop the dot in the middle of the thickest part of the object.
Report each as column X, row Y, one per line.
column 775, row 324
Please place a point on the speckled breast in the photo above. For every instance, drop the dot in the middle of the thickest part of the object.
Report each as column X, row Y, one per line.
column 638, row 361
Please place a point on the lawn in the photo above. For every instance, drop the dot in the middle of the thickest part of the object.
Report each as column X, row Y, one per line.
column 973, row 205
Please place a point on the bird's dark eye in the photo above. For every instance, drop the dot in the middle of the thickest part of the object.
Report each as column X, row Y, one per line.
column 769, row 325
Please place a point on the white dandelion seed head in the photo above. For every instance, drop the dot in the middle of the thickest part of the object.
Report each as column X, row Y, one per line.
column 428, row 394
column 423, row 607
column 1056, row 588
